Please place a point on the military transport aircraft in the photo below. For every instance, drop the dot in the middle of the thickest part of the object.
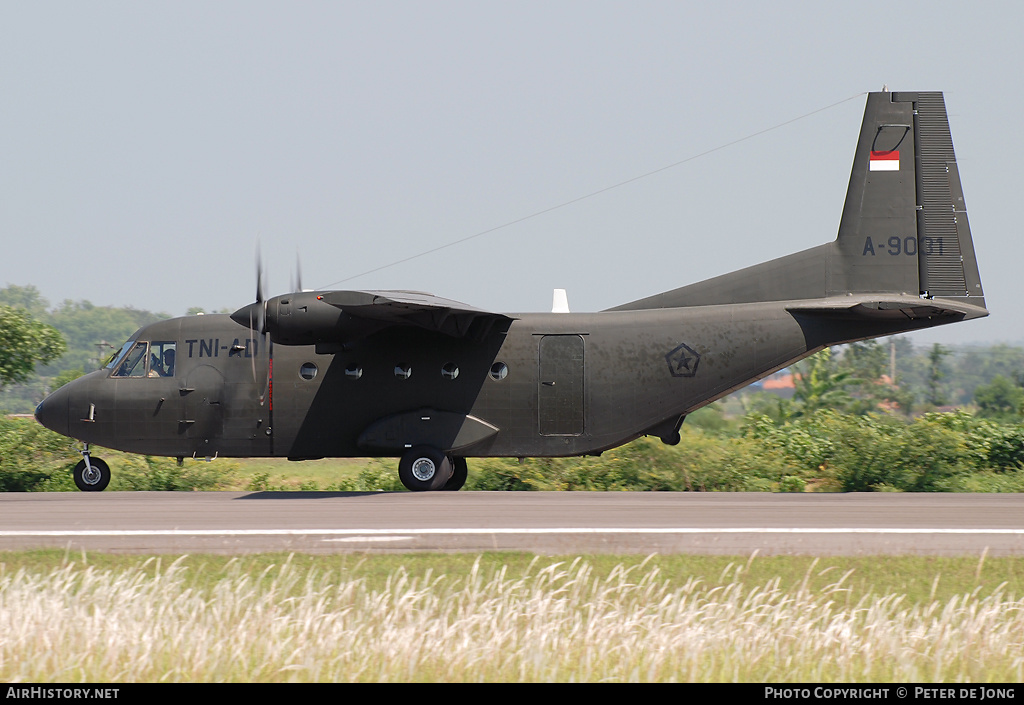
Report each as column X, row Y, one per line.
column 315, row 374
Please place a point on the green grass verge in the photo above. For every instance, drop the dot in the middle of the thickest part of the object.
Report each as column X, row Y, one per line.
column 917, row 578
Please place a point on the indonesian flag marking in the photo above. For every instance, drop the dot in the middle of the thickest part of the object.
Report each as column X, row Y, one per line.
column 884, row 161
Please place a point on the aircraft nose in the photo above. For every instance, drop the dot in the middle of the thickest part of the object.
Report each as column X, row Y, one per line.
column 52, row 411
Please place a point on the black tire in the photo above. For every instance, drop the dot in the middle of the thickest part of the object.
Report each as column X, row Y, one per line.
column 424, row 468
column 96, row 479
column 460, row 471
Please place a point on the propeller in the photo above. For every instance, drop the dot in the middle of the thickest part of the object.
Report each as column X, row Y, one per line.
column 255, row 315
column 297, row 279
column 258, row 325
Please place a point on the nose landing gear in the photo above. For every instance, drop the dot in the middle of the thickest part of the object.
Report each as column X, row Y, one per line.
column 91, row 474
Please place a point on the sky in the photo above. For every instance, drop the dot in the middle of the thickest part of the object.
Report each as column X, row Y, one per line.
column 148, row 149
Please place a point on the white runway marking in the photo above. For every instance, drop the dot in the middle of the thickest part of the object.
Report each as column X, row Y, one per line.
column 412, row 533
column 363, row 538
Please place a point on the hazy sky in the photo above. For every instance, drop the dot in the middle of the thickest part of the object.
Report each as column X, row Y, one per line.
column 147, row 146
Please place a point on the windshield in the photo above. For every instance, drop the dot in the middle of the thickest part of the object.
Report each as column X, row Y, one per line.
column 134, row 362
column 115, row 359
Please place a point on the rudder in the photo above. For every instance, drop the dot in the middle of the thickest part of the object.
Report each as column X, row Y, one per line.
column 904, row 227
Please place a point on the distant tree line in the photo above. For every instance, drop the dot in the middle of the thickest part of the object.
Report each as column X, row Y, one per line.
column 79, row 337
column 894, row 377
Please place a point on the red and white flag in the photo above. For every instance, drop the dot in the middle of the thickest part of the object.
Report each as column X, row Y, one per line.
column 884, row 161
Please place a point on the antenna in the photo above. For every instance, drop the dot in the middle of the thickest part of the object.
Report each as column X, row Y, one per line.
column 560, row 302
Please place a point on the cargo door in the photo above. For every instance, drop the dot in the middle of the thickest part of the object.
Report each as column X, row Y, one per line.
column 560, row 394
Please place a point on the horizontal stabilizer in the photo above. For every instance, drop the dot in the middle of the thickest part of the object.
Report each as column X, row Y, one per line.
column 888, row 307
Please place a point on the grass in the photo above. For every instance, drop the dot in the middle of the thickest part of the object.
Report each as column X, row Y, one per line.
column 509, row 617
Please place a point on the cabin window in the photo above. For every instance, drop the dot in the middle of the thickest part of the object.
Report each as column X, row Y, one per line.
column 353, row 371
column 403, row 371
column 499, row 370
column 308, row 370
column 450, row 370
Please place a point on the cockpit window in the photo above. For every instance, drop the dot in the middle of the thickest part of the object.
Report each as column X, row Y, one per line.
column 134, row 363
column 142, row 359
column 117, row 357
column 161, row 358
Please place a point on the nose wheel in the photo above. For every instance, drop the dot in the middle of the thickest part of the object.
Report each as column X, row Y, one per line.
column 91, row 474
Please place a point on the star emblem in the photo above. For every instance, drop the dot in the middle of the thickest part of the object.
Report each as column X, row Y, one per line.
column 682, row 361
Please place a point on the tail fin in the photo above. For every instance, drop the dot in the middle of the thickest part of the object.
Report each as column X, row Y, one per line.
column 904, row 228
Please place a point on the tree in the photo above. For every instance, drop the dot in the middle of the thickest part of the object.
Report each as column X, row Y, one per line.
column 93, row 332
column 867, row 360
column 26, row 297
column 936, row 373
column 869, row 364
column 64, row 377
column 1001, row 399
column 24, row 343
column 820, row 384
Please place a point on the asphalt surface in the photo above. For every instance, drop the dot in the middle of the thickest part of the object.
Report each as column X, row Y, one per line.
column 539, row 522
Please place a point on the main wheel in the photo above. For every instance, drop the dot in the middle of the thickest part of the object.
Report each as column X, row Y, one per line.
column 94, row 478
column 424, row 468
column 460, row 471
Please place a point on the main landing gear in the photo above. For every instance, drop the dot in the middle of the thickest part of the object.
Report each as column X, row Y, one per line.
column 91, row 474
column 425, row 468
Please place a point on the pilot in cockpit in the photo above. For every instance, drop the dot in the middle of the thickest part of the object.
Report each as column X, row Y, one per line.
column 169, row 363
column 162, row 368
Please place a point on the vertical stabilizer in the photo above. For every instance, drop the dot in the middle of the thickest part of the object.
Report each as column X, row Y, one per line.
column 904, row 227
column 903, row 231
column 876, row 249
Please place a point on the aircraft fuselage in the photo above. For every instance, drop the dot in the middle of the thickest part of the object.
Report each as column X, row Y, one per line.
column 551, row 385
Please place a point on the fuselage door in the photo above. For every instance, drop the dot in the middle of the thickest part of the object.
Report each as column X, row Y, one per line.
column 560, row 400
column 203, row 413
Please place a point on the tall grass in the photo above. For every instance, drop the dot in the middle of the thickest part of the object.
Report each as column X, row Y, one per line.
column 554, row 622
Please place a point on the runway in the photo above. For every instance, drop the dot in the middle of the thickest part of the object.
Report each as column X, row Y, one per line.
column 537, row 522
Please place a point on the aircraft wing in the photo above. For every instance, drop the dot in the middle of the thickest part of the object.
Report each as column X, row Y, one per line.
column 339, row 317
column 413, row 308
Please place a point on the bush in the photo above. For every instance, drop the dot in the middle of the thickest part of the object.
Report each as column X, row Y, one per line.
column 33, row 458
column 147, row 473
column 947, row 452
column 699, row 463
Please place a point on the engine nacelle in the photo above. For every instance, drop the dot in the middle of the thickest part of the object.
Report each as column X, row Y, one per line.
column 304, row 318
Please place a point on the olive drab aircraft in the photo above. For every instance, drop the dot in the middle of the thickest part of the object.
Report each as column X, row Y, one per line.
column 313, row 374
